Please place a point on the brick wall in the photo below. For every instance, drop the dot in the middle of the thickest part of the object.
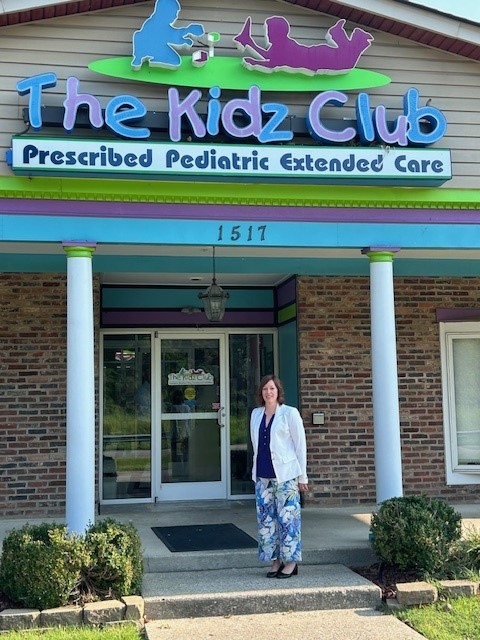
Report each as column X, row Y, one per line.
column 335, row 368
column 33, row 334
column 335, row 374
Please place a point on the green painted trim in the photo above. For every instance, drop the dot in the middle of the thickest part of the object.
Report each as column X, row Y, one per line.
column 287, row 314
column 100, row 190
column 79, row 252
column 380, row 256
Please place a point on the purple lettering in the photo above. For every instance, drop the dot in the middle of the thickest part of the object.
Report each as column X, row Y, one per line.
column 251, row 107
column 186, row 108
column 317, row 130
column 74, row 100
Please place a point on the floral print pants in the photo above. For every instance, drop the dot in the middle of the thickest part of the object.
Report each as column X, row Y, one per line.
column 279, row 520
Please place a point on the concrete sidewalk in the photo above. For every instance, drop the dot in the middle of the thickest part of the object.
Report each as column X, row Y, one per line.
column 350, row 624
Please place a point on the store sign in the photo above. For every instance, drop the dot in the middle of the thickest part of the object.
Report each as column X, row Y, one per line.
column 195, row 377
column 249, row 117
column 160, row 159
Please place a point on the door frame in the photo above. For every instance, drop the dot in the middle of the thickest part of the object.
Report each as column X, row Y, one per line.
column 164, row 492
column 152, row 332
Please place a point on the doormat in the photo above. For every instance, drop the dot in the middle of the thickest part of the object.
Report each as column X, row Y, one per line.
column 204, row 537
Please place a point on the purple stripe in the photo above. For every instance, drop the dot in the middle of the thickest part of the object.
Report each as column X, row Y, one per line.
column 457, row 315
column 79, row 243
column 286, row 293
column 160, row 317
column 387, row 249
column 181, row 211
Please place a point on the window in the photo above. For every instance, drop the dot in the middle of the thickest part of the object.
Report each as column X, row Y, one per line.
column 460, row 351
column 251, row 357
column 126, row 420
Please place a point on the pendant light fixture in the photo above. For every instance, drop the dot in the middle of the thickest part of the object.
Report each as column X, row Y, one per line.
column 214, row 298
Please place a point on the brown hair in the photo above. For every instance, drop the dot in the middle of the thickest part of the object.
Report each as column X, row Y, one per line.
column 277, row 382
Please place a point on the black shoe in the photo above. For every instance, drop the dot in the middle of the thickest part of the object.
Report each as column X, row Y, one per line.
column 293, row 572
column 274, row 574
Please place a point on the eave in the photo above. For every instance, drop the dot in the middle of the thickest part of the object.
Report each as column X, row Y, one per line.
column 424, row 26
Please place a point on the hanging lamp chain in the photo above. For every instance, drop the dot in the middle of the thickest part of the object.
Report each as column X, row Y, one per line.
column 213, row 259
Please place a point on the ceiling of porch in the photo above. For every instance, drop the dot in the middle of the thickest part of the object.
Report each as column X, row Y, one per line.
column 183, row 265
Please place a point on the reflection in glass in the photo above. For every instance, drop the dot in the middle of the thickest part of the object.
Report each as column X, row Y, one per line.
column 190, row 397
column 251, row 357
column 126, row 443
column 466, row 366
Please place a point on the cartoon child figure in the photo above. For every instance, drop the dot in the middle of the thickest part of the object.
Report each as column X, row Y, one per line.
column 158, row 38
column 340, row 54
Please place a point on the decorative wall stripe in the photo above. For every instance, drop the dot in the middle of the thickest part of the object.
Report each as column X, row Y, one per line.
column 457, row 315
column 171, row 297
column 287, row 314
column 286, row 296
column 287, row 292
column 174, row 318
column 184, row 211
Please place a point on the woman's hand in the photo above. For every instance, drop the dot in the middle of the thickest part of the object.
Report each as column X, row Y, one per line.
column 302, row 486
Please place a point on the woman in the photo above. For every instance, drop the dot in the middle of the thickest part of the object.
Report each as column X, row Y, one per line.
column 279, row 472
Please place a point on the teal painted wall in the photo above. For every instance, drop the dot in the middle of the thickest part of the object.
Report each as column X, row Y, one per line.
column 170, row 297
column 288, row 361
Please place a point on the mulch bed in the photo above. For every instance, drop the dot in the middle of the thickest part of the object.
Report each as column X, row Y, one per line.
column 6, row 603
column 387, row 577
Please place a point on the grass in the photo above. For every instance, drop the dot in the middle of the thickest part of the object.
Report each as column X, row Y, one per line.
column 120, row 632
column 456, row 619
column 133, row 464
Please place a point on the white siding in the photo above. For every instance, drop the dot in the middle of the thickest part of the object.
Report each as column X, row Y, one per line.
column 67, row 45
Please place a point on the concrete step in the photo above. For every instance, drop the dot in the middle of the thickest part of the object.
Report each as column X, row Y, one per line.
column 241, row 591
column 355, row 556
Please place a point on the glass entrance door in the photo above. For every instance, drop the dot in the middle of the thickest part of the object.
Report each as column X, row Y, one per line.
column 192, row 424
column 176, row 410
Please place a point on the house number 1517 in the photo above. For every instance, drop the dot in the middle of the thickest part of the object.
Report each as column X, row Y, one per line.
column 247, row 233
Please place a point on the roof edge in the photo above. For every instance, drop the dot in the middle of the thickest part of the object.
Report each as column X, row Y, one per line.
column 421, row 17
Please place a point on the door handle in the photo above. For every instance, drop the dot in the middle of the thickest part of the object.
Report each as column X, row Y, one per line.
column 221, row 417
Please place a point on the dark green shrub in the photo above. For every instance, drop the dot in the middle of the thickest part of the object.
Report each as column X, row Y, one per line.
column 415, row 533
column 116, row 563
column 43, row 567
column 40, row 565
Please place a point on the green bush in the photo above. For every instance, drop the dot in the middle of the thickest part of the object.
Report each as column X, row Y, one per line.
column 116, row 562
column 415, row 533
column 42, row 566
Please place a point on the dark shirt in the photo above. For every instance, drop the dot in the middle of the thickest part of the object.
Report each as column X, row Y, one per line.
column 264, row 458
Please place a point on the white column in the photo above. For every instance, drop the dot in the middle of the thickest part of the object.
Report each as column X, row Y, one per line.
column 80, row 489
column 386, row 415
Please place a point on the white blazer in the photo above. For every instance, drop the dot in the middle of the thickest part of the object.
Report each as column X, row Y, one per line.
column 288, row 446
